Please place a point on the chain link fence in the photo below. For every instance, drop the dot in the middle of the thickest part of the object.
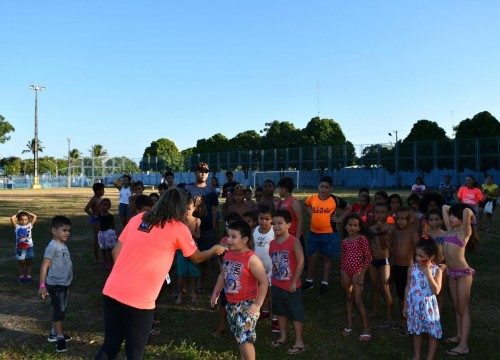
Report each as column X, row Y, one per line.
column 394, row 165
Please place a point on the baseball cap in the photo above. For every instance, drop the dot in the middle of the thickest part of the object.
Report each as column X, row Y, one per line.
column 203, row 167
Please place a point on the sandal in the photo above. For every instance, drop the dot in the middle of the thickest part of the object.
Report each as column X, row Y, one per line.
column 277, row 343
column 154, row 332
column 365, row 337
column 294, row 350
column 347, row 331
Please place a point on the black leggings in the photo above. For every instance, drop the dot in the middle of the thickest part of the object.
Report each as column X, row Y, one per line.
column 123, row 322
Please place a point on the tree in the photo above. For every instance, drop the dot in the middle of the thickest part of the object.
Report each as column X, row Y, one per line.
column 417, row 150
column 162, row 154
column 97, row 151
column 280, row 135
column 482, row 125
column 214, row 144
column 426, row 130
column 322, row 132
column 5, row 128
column 246, row 140
column 31, row 146
column 11, row 165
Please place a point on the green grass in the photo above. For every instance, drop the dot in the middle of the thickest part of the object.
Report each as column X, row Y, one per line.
column 186, row 330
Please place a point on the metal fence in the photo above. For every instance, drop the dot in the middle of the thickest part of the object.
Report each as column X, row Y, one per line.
column 377, row 166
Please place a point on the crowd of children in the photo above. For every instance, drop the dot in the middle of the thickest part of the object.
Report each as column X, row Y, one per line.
column 416, row 248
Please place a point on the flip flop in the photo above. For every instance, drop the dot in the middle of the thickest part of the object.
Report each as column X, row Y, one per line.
column 294, row 350
column 347, row 331
column 154, row 332
column 456, row 353
column 277, row 343
column 365, row 337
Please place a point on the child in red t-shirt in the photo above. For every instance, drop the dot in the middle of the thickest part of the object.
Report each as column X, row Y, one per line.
column 245, row 284
column 287, row 257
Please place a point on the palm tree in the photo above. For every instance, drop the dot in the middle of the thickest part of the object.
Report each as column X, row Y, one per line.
column 31, row 148
column 74, row 156
column 97, row 152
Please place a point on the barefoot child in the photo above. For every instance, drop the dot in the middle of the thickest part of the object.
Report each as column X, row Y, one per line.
column 460, row 223
column 56, row 274
column 23, row 223
column 288, row 262
column 356, row 258
column 404, row 239
column 245, row 283
column 380, row 234
column 420, row 306
column 239, row 205
column 185, row 267
column 106, row 236
column 93, row 208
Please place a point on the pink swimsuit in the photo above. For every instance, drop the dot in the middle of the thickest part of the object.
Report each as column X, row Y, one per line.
column 456, row 273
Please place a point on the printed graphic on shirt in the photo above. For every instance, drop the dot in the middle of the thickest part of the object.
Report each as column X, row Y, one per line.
column 262, row 241
column 145, row 227
column 281, row 265
column 23, row 237
column 232, row 276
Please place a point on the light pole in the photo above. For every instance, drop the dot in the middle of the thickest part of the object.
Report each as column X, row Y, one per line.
column 36, row 183
column 69, row 162
column 396, row 161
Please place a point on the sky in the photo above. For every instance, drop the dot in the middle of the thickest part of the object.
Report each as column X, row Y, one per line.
column 125, row 73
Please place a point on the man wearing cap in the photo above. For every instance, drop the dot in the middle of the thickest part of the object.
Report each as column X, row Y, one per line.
column 228, row 187
column 204, row 197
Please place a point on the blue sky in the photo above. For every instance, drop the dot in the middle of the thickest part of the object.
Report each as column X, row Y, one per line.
column 125, row 73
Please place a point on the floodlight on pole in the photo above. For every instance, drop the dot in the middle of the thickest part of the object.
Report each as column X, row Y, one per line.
column 36, row 183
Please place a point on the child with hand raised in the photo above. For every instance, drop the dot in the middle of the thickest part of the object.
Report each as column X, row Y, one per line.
column 420, row 305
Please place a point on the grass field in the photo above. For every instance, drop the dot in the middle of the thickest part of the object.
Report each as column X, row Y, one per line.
column 186, row 330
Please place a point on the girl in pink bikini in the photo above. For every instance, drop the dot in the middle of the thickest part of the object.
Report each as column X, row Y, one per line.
column 460, row 224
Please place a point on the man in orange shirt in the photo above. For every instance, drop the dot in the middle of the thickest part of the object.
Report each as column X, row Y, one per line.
column 323, row 237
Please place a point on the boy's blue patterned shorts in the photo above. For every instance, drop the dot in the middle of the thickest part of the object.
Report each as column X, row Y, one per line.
column 241, row 324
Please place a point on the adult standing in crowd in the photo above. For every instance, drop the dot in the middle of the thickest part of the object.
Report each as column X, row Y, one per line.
column 143, row 256
column 490, row 193
column 470, row 193
column 447, row 190
column 206, row 202
column 228, row 187
column 169, row 180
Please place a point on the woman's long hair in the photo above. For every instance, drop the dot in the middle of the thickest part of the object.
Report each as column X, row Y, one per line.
column 172, row 206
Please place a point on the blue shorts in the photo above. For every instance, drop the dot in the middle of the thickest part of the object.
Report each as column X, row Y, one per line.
column 242, row 325
column 185, row 267
column 124, row 210
column 23, row 254
column 326, row 244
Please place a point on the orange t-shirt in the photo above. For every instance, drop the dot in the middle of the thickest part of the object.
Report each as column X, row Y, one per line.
column 322, row 210
column 145, row 260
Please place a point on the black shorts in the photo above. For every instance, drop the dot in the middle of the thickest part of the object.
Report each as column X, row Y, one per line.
column 59, row 299
column 288, row 304
column 400, row 275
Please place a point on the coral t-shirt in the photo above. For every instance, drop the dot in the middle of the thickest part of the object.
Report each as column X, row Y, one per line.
column 287, row 205
column 470, row 196
column 145, row 260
